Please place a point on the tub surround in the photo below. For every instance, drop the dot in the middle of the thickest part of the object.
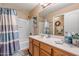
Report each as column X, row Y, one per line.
column 52, row 41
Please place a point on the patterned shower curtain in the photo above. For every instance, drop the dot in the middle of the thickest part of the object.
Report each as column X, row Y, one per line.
column 9, row 42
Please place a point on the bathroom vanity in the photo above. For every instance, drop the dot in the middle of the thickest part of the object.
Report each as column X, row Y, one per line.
column 39, row 46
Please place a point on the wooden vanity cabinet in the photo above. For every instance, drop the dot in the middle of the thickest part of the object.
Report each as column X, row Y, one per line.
column 37, row 48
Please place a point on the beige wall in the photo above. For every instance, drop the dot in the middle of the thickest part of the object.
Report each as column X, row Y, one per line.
column 22, row 14
column 36, row 11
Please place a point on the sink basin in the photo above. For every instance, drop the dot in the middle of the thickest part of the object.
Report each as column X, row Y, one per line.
column 51, row 39
column 55, row 40
column 59, row 42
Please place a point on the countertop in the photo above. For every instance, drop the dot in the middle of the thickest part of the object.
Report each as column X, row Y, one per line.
column 52, row 41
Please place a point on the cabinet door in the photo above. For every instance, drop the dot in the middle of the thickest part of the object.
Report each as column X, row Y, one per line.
column 46, row 47
column 30, row 46
column 35, row 42
column 43, row 53
column 58, row 52
column 35, row 50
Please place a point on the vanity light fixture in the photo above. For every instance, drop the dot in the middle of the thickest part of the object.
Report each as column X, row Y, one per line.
column 44, row 5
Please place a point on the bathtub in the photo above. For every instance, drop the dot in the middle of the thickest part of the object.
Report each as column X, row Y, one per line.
column 24, row 44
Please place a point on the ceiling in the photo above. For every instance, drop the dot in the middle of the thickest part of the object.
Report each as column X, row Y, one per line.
column 21, row 6
column 53, row 8
column 27, row 7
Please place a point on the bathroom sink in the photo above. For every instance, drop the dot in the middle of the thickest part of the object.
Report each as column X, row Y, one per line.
column 59, row 42
column 51, row 39
column 55, row 40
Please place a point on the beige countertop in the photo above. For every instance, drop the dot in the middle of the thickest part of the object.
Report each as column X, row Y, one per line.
column 52, row 41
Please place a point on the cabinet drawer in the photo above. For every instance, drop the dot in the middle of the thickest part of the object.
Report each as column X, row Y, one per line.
column 46, row 47
column 59, row 52
column 68, row 54
column 35, row 42
column 43, row 53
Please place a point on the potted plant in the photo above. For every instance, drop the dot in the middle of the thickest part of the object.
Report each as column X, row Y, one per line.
column 76, row 39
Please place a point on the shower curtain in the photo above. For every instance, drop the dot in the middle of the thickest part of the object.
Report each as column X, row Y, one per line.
column 9, row 42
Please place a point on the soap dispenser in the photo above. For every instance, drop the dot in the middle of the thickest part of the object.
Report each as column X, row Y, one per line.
column 68, row 38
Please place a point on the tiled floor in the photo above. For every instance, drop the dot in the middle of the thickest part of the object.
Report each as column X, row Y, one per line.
column 21, row 53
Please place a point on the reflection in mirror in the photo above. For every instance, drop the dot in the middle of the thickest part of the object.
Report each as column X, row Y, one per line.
column 59, row 25
column 46, row 27
column 71, row 21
